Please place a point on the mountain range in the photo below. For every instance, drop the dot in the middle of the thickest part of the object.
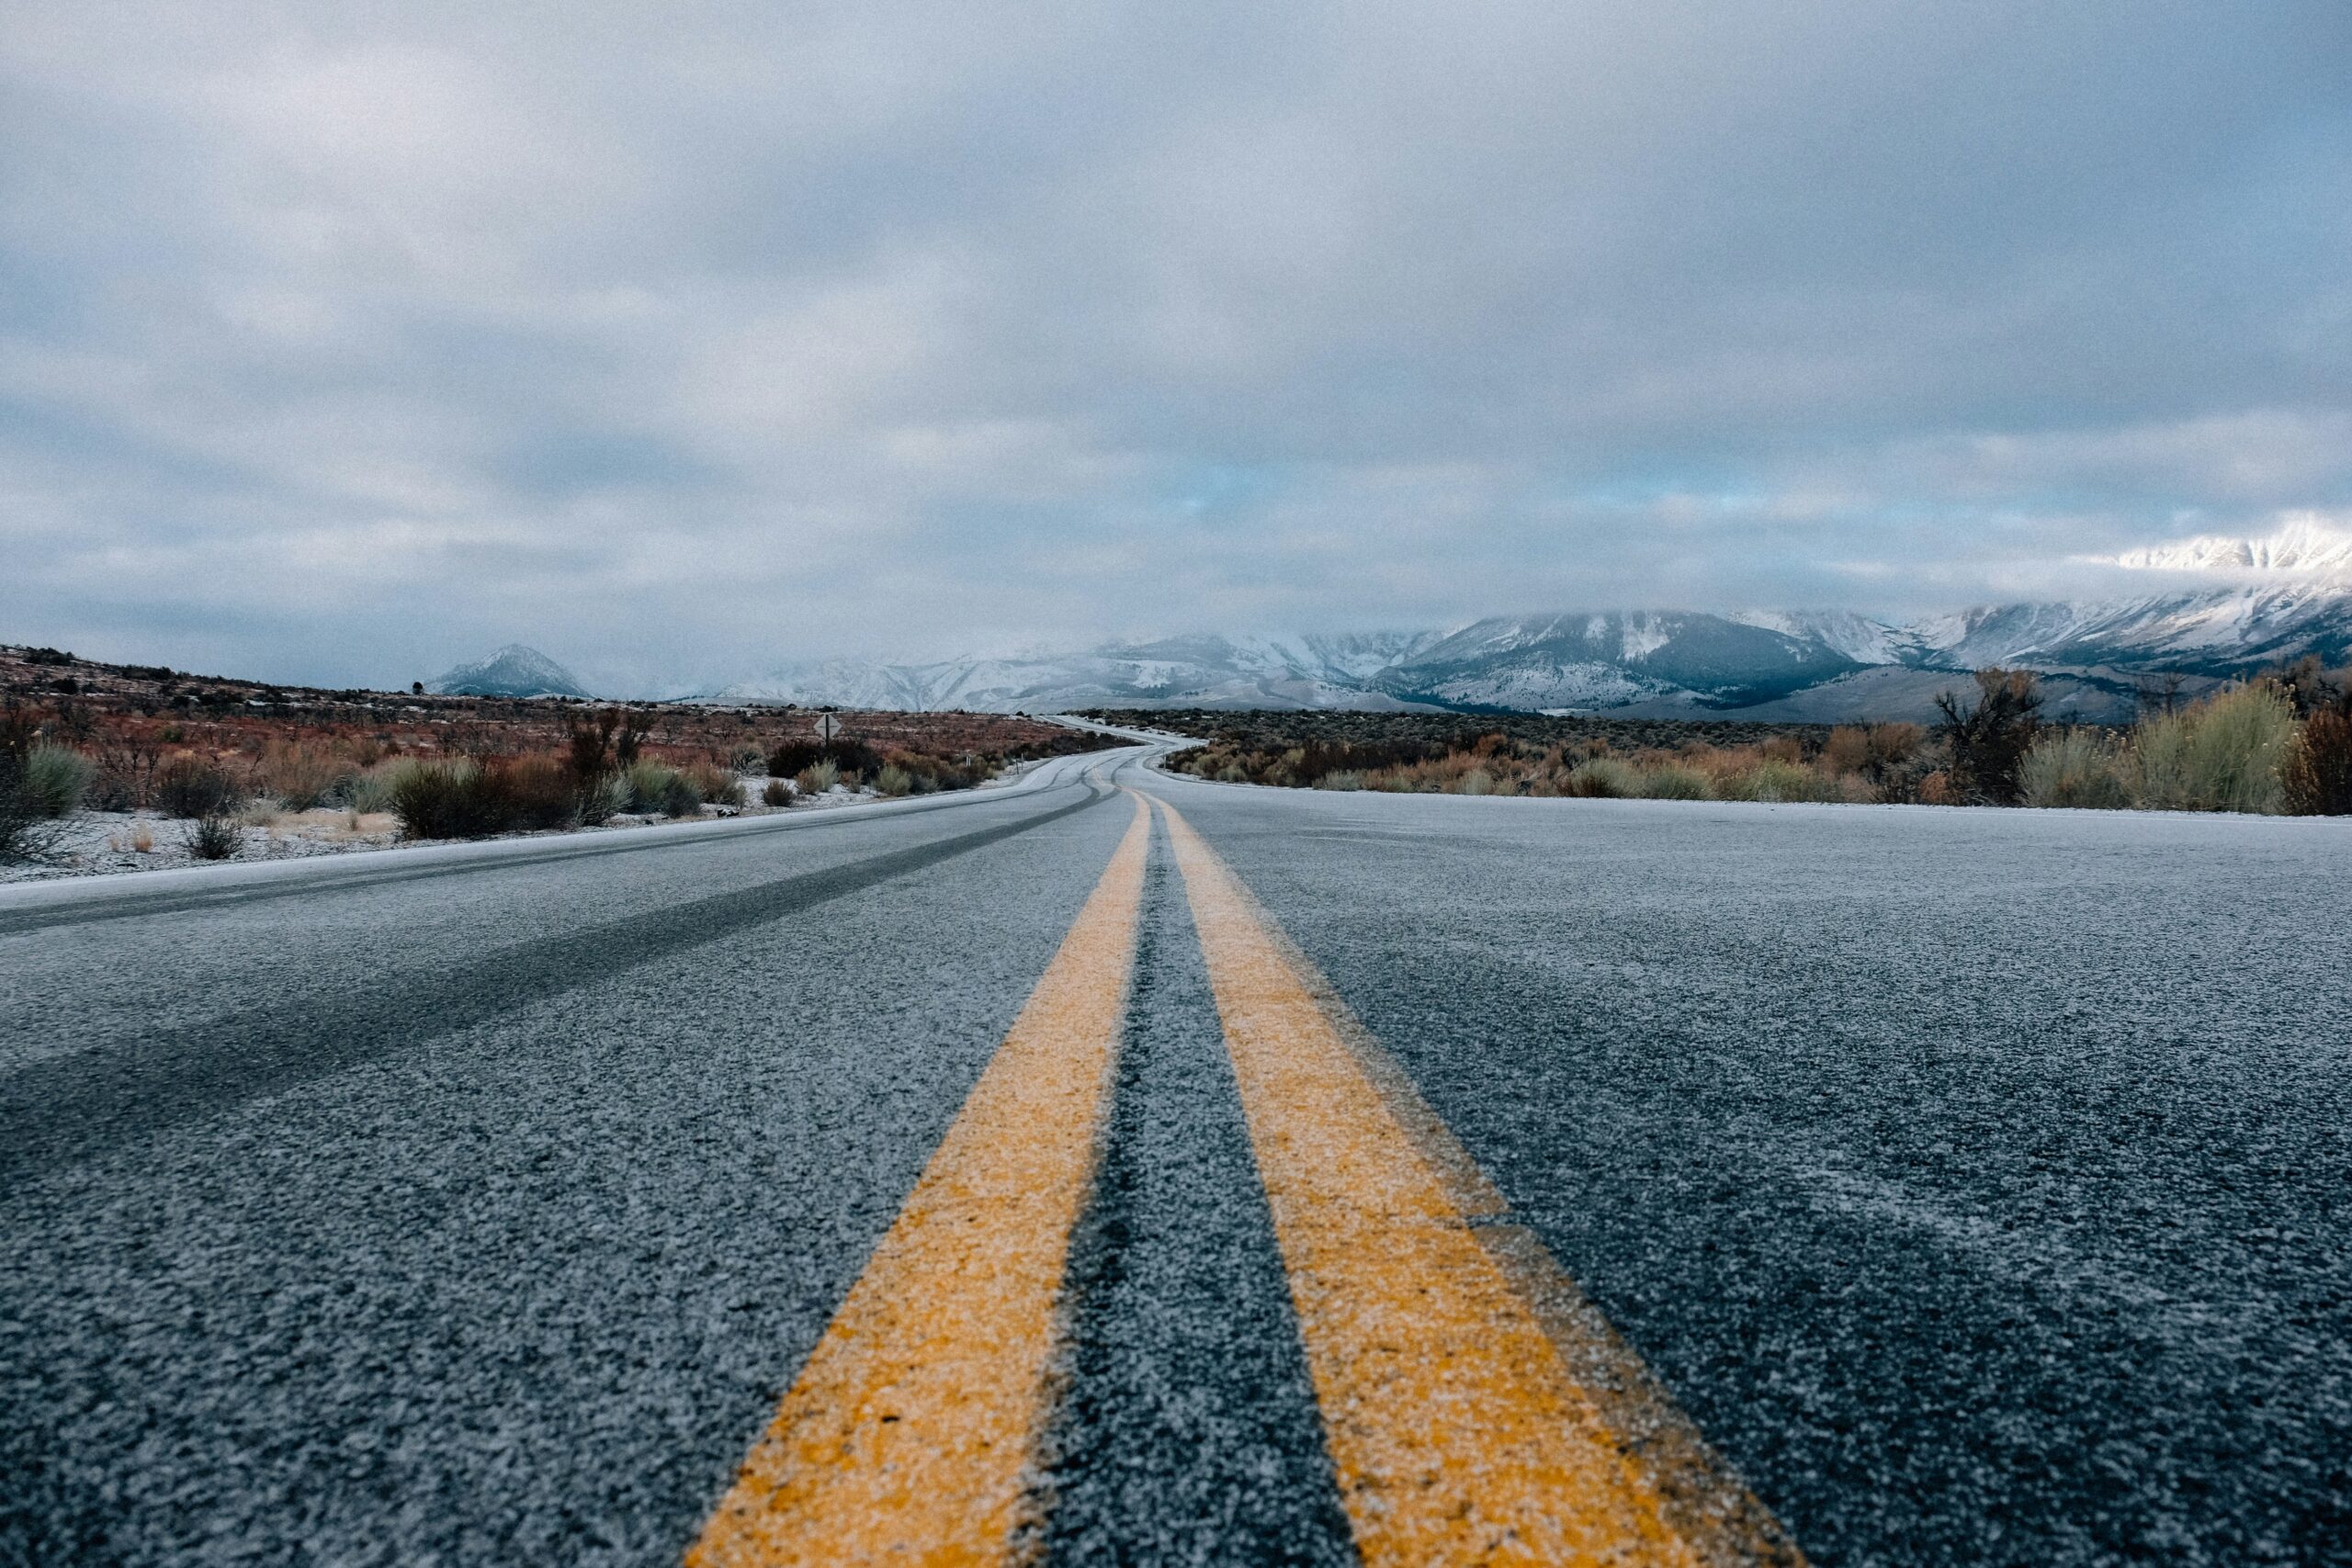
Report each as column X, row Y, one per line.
column 2216, row 608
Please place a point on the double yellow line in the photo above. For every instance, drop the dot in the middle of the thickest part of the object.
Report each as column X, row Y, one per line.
column 1475, row 1408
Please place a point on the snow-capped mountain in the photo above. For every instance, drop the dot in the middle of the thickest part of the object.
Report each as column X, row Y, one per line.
column 2303, row 548
column 2211, row 609
column 1611, row 661
column 2216, row 607
column 512, row 672
column 2216, row 632
column 1311, row 671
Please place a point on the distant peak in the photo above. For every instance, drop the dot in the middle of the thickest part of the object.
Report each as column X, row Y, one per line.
column 515, row 671
column 2306, row 545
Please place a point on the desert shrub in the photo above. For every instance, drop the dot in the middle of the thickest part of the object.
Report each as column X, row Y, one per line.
column 526, row 792
column 658, row 788
column 126, row 778
column 1780, row 778
column 300, row 776
column 51, row 780
column 1603, row 778
column 1673, row 781
column 190, row 786
column 2243, row 741
column 817, row 777
column 1774, row 779
column 1869, row 749
column 793, row 755
column 1318, row 758
column 437, row 800
column 1340, row 779
column 601, row 799
column 1989, row 740
column 928, row 772
column 2318, row 776
column 472, row 800
column 855, row 756
column 648, row 784
column 213, row 835
column 1847, row 749
column 1894, row 744
column 372, row 790
column 1477, row 781
column 25, row 831
column 846, row 753
column 778, row 793
column 2159, row 763
column 2229, row 752
column 2071, row 767
column 893, row 780
column 714, row 785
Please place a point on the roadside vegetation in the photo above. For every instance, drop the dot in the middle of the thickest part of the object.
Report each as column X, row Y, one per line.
column 216, row 769
column 2281, row 743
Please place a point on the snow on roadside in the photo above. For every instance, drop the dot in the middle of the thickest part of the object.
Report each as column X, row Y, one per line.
column 100, row 843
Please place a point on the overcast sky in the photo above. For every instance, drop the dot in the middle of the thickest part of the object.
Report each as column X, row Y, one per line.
column 339, row 342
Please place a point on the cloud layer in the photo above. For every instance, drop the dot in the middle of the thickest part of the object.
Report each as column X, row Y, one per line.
column 337, row 341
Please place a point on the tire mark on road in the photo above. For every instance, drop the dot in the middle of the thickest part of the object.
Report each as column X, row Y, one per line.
column 71, row 1107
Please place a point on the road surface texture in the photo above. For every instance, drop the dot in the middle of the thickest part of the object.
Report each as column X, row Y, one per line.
column 1285, row 1177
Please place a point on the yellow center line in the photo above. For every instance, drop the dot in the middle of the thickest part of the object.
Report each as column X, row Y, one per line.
column 907, row 1433
column 1458, row 1430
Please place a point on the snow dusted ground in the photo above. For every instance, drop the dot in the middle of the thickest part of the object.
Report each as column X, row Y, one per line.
column 101, row 843
column 92, row 844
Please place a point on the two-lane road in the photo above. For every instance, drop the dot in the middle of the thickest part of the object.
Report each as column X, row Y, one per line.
column 1284, row 1175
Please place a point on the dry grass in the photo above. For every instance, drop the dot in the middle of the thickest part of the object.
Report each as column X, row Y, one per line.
column 2076, row 767
column 2240, row 750
column 301, row 775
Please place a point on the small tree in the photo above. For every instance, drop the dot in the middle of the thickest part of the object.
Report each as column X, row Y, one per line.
column 591, row 755
column 2312, row 689
column 2318, row 772
column 1989, row 741
column 628, row 742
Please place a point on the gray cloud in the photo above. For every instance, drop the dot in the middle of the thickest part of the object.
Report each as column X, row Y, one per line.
column 336, row 341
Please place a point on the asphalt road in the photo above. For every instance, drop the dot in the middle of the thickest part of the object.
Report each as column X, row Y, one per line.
column 1975, row 1182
